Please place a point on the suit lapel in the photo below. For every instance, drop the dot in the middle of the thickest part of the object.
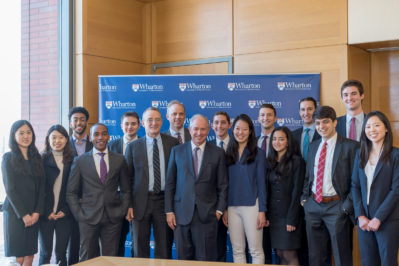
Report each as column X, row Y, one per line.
column 189, row 156
column 312, row 155
column 121, row 145
column 143, row 147
column 205, row 157
column 111, row 163
column 92, row 165
column 377, row 169
column 337, row 152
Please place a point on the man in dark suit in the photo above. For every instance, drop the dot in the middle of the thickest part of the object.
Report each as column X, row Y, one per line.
column 147, row 160
column 326, row 194
column 352, row 95
column 196, row 193
column 100, row 211
column 130, row 124
column 80, row 143
column 221, row 125
column 176, row 114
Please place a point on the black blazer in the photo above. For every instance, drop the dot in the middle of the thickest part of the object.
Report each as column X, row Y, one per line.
column 384, row 190
column 137, row 161
column 297, row 135
column 341, row 126
column 89, row 145
column 342, row 166
column 96, row 196
column 25, row 194
column 187, row 136
column 116, row 145
column 51, row 173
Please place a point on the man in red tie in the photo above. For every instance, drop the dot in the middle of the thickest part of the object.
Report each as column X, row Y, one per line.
column 350, row 124
column 326, row 195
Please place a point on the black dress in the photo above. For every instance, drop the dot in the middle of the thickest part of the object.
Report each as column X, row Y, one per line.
column 25, row 195
column 284, row 206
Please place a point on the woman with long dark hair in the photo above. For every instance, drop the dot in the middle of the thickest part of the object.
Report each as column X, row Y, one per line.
column 286, row 173
column 57, row 161
column 375, row 191
column 246, row 217
column 24, row 184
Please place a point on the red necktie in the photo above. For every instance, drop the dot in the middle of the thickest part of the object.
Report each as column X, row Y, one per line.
column 352, row 129
column 179, row 138
column 320, row 173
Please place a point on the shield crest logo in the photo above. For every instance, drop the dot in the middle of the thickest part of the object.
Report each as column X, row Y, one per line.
column 155, row 104
column 135, row 87
column 280, row 121
column 251, row 104
column 281, row 85
column 202, row 104
column 182, row 86
column 231, row 86
column 108, row 104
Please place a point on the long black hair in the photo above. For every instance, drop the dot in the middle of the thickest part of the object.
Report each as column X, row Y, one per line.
column 232, row 147
column 366, row 145
column 33, row 154
column 67, row 152
column 284, row 167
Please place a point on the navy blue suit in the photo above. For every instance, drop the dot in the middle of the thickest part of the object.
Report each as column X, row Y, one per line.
column 341, row 126
column 297, row 135
column 382, row 245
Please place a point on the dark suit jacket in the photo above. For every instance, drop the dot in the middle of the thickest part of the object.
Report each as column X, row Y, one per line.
column 116, row 145
column 297, row 135
column 384, row 190
column 137, row 161
column 341, row 126
column 184, row 190
column 89, row 145
column 342, row 166
column 51, row 171
column 187, row 136
column 96, row 196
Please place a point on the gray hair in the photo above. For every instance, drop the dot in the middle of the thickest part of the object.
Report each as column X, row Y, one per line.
column 173, row 102
column 197, row 116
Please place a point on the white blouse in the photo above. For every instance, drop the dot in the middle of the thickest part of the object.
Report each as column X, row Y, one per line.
column 369, row 171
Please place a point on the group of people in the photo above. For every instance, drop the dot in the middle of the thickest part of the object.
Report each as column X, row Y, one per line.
column 270, row 192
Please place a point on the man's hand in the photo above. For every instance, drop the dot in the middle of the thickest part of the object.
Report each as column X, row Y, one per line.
column 261, row 220
column 171, row 220
column 225, row 219
column 218, row 215
column 52, row 216
column 363, row 222
column 35, row 217
column 27, row 220
column 374, row 225
column 291, row 228
column 129, row 215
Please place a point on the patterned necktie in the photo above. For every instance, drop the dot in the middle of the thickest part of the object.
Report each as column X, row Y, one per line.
column 195, row 161
column 352, row 129
column 264, row 146
column 179, row 138
column 320, row 173
column 156, row 167
column 221, row 144
column 103, row 168
column 305, row 144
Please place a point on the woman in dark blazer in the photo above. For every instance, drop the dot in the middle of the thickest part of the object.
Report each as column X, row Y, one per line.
column 286, row 172
column 246, row 217
column 57, row 160
column 24, row 184
column 375, row 191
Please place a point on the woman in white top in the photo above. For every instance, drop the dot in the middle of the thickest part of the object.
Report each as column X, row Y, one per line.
column 57, row 160
column 375, row 191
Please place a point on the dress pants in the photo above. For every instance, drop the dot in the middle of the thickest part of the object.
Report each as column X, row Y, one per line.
column 62, row 229
column 124, row 231
column 324, row 220
column 222, row 241
column 197, row 240
column 74, row 243
column 141, row 229
column 106, row 232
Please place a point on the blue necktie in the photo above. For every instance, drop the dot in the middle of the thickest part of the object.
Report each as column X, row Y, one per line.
column 305, row 144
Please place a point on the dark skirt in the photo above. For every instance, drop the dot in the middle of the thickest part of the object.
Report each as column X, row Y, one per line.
column 18, row 240
column 281, row 238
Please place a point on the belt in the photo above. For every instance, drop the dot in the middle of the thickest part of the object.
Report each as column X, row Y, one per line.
column 152, row 193
column 327, row 198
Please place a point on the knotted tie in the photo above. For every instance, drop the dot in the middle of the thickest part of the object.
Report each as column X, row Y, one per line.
column 195, row 161
column 352, row 129
column 179, row 138
column 305, row 144
column 156, row 166
column 320, row 173
column 103, row 168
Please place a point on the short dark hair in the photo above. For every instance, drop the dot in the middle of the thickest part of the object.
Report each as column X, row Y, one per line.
column 221, row 113
column 354, row 83
column 78, row 109
column 308, row 99
column 270, row 106
column 325, row 112
column 131, row 114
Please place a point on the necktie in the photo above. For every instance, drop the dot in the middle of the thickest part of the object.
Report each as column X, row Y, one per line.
column 156, row 167
column 320, row 173
column 221, row 144
column 103, row 168
column 264, row 146
column 195, row 161
column 179, row 138
column 305, row 144
column 352, row 129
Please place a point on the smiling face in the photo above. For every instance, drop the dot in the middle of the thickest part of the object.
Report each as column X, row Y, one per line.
column 176, row 116
column 221, row 126
column 130, row 126
column 57, row 141
column 280, row 142
column 241, row 132
column 352, row 99
column 78, row 123
column 100, row 137
column 199, row 130
column 306, row 111
column 267, row 118
column 326, row 127
column 24, row 136
column 375, row 130
column 152, row 122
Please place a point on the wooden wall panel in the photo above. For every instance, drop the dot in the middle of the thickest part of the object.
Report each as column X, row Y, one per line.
column 266, row 25
column 215, row 68
column 115, row 29
column 191, row 29
column 87, row 86
column 395, row 130
column 331, row 61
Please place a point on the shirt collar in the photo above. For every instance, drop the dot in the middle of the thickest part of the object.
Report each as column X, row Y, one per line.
column 359, row 118
column 150, row 140
column 173, row 133
column 202, row 146
column 126, row 141
column 331, row 141
column 225, row 141
column 312, row 127
column 75, row 139
column 95, row 151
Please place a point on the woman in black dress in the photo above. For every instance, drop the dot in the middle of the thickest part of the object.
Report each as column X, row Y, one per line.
column 24, row 184
column 57, row 161
column 285, row 182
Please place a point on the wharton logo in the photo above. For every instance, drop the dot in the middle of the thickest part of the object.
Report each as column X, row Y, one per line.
column 120, row 105
column 108, row 122
column 108, row 104
column 192, row 86
column 214, row 104
column 290, row 86
column 251, row 104
column 289, row 122
column 242, row 86
column 108, row 88
column 145, row 87
column 159, row 104
column 182, row 86
column 258, row 103
column 280, row 121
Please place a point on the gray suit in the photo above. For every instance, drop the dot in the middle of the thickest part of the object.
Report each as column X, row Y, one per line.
column 148, row 207
column 101, row 210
